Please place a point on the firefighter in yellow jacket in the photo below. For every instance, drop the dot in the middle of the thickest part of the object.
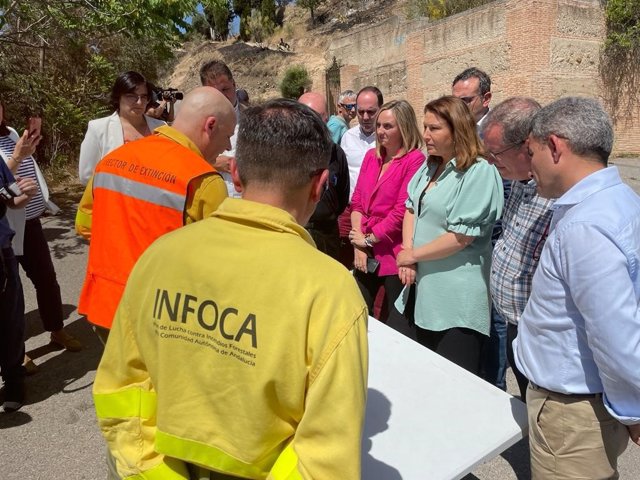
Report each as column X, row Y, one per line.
column 149, row 187
column 238, row 349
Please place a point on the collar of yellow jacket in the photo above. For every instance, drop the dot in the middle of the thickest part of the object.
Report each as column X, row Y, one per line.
column 261, row 215
column 178, row 137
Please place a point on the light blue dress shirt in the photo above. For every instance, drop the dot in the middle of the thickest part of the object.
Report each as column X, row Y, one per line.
column 580, row 331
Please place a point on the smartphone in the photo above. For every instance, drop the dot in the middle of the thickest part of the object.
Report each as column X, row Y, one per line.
column 14, row 189
column 34, row 125
column 8, row 192
column 372, row 265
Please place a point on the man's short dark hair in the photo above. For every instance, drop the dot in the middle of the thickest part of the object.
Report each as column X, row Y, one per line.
column 374, row 90
column 581, row 122
column 281, row 143
column 473, row 72
column 514, row 115
column 212, row 70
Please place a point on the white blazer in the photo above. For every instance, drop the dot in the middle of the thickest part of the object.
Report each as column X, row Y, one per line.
column 104, row 135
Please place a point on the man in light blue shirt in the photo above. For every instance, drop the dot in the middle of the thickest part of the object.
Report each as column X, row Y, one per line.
column 339, row 124
column 579, row 337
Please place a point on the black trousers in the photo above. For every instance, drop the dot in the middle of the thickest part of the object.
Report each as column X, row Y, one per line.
column 37, row 264
column 461, row 346
column 523, row 382
column 370, row 283
column 11, row 320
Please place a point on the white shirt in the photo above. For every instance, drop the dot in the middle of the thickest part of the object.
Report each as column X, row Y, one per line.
column 226, row 176
column 355, row 144
column 580, row 330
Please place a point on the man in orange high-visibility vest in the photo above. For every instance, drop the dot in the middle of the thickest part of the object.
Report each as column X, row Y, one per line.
column 149, row 187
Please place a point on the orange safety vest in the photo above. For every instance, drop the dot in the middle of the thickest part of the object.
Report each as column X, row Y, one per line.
column 140, row 193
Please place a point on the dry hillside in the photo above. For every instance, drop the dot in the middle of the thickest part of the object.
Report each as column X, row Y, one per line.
column 258, row 68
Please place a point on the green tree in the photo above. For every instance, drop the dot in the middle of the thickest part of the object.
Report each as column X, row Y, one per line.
column 281, row 7
column 242, row 9
column 295, row 81
column 258, row 27
column 312, row 6
column 268, row 12
column 620, row 58
column 59, row 59
column 199, row 28
column 219, row 14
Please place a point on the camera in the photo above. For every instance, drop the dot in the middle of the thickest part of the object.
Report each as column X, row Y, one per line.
column 7, row 192
column 168, row 94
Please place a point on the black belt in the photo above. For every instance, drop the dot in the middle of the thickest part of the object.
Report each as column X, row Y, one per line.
column 575, row 396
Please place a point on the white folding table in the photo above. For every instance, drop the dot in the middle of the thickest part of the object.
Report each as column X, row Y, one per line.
column 428, row 419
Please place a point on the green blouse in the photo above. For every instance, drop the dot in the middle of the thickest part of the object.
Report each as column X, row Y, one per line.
column 453, row 291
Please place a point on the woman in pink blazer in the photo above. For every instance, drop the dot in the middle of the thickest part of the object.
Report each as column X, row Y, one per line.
column 378, row 202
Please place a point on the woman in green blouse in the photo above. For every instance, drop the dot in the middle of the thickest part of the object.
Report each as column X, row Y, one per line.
column 454, row 200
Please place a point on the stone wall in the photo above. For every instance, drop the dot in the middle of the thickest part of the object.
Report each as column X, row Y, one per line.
column 545, row 49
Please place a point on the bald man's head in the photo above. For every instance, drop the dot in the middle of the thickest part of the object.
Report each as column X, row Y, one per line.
column 315, row 102
column 208, row 119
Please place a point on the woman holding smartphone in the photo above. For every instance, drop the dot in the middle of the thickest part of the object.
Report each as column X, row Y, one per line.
column 130, row 97
column 30, row 244
column 378, row 201
column 454, row 201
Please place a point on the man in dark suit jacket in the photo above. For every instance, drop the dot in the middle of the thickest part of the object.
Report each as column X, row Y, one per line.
column 323, row 225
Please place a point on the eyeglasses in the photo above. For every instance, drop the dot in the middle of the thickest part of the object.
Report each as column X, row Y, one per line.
column 348, row 106
column 468, row 100
column 133, row 98
column 495, row 155
column 371, row 113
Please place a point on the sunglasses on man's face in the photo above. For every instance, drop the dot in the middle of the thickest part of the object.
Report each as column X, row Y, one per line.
column 348, row 106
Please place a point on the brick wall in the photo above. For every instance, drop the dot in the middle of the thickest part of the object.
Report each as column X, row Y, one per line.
column 545, row 49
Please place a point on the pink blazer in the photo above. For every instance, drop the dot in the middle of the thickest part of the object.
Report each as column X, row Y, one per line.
column 382, row 203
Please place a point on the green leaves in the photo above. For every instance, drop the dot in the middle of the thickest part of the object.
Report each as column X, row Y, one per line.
column 296, row 80
column 61, row 57
column 620, row 58
column 219, row 14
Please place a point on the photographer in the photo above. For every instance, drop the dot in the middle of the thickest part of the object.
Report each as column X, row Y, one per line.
column 29, row 244
column 13, row 194
column 162, row 105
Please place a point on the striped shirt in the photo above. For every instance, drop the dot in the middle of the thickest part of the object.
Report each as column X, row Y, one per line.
column 26, row 169
column 525, row 225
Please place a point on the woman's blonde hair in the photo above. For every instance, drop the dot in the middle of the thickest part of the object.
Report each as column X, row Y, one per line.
column 407, row 122
column 466, row 142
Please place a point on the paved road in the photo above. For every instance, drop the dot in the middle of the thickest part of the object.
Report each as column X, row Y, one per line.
column 55, row 435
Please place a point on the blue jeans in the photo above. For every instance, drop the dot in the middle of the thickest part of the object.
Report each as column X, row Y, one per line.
column 494, row 357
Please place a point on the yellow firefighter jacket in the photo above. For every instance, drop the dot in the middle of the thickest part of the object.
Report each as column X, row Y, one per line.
column 238, row 348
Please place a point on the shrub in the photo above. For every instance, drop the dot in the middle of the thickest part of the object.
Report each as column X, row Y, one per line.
column 296, row 80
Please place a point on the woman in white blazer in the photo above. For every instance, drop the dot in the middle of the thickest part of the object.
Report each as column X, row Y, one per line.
column 130, row 96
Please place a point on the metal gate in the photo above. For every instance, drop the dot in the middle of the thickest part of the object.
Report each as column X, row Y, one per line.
column 332, row 77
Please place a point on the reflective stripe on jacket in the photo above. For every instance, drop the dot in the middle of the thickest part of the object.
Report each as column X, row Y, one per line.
column 139, row 193
column 235, row 364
